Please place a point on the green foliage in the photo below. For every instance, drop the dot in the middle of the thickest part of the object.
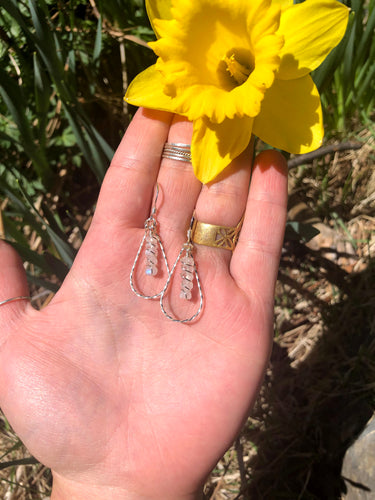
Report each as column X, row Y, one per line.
column 346, row 77
column 57, row 61
column 63, row 73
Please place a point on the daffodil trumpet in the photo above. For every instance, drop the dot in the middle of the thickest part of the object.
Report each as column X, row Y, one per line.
column 237, row 68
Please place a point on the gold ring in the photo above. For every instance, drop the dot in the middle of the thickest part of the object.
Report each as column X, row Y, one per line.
column 211, row 235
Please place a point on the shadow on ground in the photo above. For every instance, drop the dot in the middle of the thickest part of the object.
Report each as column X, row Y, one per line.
column 312, row 412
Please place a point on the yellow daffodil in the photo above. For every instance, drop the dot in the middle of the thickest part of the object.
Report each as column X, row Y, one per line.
column 240, row 67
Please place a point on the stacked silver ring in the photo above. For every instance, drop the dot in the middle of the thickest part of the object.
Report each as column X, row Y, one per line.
column 177, row 151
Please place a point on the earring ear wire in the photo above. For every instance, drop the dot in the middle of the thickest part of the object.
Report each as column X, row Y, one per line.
column 152, row 241
column 188, row 272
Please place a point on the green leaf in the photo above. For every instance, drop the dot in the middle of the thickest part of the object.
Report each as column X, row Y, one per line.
column 65, row 250
column 6, row 137
column 98, row 42
column 15, row 447
column 11, row 7
column 42, row 283
column 14, row 99
column 42, row 86
column 57, row 266
column 26, row 215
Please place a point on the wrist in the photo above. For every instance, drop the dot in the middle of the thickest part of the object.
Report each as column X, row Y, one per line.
column 64, row 489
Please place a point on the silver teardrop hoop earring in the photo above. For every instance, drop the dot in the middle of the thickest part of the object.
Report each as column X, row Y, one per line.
column 151, row 240
column 188, row 273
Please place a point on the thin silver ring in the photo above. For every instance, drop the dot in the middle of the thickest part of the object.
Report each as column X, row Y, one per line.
column 13, row 299
column 177, row 151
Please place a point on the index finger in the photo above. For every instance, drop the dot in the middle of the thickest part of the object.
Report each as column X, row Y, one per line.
column 127, row 189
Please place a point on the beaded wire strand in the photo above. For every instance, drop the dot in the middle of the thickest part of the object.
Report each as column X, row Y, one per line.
column 152, row 241
column 188, row 272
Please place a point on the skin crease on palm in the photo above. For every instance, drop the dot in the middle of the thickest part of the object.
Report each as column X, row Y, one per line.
column 119, row 401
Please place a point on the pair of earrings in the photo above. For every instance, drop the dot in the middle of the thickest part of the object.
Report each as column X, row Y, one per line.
column 152, row 243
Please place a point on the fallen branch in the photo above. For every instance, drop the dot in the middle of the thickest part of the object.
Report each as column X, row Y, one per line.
column 331, row 148
column 16, row 463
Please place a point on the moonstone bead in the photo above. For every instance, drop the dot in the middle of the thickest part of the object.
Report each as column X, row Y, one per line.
column 187, row 275
column 151, row 254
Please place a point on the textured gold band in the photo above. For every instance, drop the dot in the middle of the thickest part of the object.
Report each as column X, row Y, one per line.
column 211, row 235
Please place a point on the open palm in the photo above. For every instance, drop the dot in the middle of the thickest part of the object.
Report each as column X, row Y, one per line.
column 117, row 399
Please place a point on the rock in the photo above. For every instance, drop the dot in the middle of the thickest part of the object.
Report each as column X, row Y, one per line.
column 358, row 469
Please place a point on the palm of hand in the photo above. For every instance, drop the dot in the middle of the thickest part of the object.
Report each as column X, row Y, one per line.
column 104, row 389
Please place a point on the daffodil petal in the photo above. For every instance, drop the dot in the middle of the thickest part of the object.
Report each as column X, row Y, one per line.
column 214, row 145
column 291, row 116
column 194, row 54
column 284, row 4
column 158, row 9
column 311, row 30
column 147, row 90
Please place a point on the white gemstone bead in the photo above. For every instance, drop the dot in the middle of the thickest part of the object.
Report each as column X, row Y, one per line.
column 187, row 275
column 151, row 254
column 151, row 271
column 185, row 295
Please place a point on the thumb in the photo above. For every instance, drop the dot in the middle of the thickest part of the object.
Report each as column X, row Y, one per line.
column 13, row 283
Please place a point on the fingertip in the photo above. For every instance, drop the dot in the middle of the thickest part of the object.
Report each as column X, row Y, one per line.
column 270, row 158
column 143, row 135
column 269, row 180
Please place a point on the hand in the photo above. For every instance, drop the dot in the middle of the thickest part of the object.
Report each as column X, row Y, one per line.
column 119, row 401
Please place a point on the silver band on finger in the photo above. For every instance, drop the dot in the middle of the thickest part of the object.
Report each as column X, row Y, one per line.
column 176, row 151
column 13, row 299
